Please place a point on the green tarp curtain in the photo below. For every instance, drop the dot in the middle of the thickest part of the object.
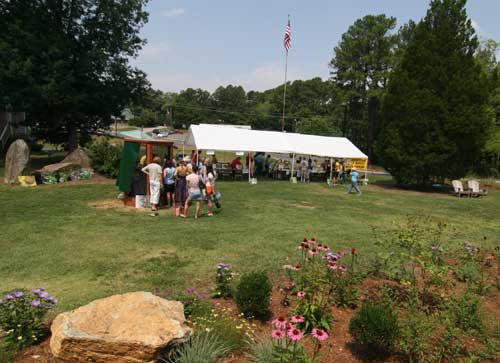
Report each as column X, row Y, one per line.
column 128, row 162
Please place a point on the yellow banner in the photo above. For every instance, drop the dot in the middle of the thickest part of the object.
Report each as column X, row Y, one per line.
column 360, row 164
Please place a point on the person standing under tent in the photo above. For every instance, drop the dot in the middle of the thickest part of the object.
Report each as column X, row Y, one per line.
column 209, row 180
column 169, row 182
column 303, row 166
column 249, row 161
column 267, row 166
column 354, row 182
column 341, row 172
column 259, row 164
column 298, row 166
column 154, row 172
column 180, row 191
column 193, row 181
column 310, row 167
column 336, row 172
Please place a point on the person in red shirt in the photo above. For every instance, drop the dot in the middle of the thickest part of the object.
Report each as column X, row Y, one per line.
column 236, row 163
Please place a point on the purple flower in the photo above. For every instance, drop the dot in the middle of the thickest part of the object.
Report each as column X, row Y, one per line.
column 332, row 256
column 53, row 300
column 202, row 296
column 8, row 297
column 18, row 294
column 35, row 303
column 36, row 291
column 187, row 302
column 44, row 295
column 190, row 290
column 223, row 266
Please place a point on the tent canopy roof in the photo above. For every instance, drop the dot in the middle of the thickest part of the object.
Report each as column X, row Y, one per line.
column 213, row 137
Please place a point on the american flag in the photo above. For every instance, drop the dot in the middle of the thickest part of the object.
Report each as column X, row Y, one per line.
column 288, row 37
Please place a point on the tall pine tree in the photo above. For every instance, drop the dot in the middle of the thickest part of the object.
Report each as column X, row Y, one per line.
column 434, row 116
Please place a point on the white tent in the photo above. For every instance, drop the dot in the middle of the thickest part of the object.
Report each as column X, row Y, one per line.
column 214, row 137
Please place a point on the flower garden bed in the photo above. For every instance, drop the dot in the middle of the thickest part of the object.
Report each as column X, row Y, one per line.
column 415, row 301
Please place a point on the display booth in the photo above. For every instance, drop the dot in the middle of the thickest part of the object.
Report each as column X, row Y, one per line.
column 131, row 156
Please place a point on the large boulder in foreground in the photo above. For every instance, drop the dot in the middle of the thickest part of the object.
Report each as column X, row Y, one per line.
column 131, row 328
column 16, row 160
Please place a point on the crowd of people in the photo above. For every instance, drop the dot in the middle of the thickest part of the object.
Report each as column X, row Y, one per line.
column 191, row 180
column 179, row 185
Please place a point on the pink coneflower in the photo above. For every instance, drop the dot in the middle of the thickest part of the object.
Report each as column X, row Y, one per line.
column 288, row 326
column 297, row 319
column 312, row 241
column 313, row 251
column 295, row 334
column 280, row 323
column 301, row 294
column 333, row 266
column 319, row 334
column 277, row 334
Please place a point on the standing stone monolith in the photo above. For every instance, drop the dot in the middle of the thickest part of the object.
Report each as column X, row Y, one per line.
column 16, row 160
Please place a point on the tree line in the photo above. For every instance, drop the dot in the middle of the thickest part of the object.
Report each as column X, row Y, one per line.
column 422, row 100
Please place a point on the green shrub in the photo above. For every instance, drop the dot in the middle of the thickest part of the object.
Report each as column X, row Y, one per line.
column 415, row 330
column 465, row 312
column 22, row 316
column 202, row 348
column 375, row 326
column 253, row 295
column 105, row 157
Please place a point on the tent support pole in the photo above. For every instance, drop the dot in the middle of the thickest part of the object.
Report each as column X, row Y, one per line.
column 366, row 171
column 293, row 164
column 331, row 169
column 249, row 167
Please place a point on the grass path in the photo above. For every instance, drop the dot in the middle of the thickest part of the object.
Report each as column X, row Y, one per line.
column 53, row 236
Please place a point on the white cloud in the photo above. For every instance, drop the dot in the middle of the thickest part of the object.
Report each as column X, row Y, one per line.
column 262, row 77
column 173, row 12
column 155, row 50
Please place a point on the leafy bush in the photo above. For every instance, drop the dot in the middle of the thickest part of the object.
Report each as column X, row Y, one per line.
column 223, row 278
column 105, row 157
column 202, row 348
column 375, row 326
column 22, row 315
column 253, row 295
column 465, row 312
column 415, row 330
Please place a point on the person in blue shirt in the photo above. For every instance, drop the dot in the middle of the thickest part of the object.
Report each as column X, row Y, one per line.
column 169, row 182
column 354, row 181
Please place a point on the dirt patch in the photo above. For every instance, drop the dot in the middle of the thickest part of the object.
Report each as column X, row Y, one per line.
column 304, row 205
column 112, row 204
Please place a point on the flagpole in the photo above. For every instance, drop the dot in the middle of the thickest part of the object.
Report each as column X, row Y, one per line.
column 284, row 92
column 287, row 46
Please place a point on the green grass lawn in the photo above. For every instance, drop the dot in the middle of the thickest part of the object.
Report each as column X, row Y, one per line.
column 52, row 237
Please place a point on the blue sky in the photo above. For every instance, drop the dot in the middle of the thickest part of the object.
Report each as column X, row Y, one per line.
column 205, row 44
